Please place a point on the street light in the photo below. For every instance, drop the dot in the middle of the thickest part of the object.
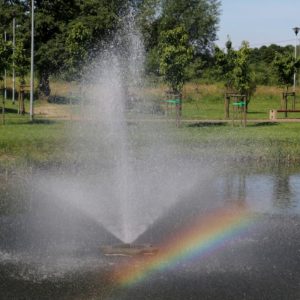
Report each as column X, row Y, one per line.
column 5, row 72
column 32, row 61
column 296, row 30
column 14, row 49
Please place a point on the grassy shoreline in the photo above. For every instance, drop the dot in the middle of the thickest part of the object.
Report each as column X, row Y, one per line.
column 48, row 144
column 45, row 142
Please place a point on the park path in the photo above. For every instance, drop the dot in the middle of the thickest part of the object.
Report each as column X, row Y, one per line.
column 53, row 111
column 64, row 112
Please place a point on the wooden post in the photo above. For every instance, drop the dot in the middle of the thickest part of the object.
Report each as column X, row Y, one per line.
column 286, row 104
column 178, row 107
column 71, row 106
column 3, row 105
column 21, row 99
column 294, row 101
column 3, row 109
column 245, row 111
column 239, row 109
column 22, row 102
column 226, row 105
column 233, row 114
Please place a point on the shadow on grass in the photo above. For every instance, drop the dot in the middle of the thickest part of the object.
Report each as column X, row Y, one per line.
column 255, row 112
column 42, row 121
column 10, row 110
column 63, row 100
column 207, row 124
column 261, row 124
column 26, row 121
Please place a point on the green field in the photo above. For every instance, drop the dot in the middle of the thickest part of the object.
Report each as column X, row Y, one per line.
column 45, row 141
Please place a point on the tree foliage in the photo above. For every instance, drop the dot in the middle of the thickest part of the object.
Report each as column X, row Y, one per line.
column 225, row 62
column 77, row 43
column 285, row 65
column 234, row 67
column 199, row 18
column 5, row 55
column 21, row 61
column 175, row 55
column 243, row 77
column 62, row 26
column 69, row 32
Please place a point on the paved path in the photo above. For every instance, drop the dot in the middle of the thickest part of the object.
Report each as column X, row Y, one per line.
column 248, row 121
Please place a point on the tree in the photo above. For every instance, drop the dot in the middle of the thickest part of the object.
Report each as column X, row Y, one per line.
column 61, row 26
column 261, row 60
column 22, row 61
column 77, row 42
column 243, row 78
column 234, row 67
column 51, row 20
column 5, row 55
column 285, row 65
column 225, row 63
column 199, row 18
column 175, row 55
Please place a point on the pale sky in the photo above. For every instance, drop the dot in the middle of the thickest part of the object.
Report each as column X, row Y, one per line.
column 260, row 22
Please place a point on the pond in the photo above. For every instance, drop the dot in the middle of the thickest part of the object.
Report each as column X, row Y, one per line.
column 234, row 235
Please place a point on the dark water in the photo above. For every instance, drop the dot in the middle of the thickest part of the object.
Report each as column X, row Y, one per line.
column 48, row 253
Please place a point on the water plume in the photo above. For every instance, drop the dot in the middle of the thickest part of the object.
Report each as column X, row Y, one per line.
column 127, row 177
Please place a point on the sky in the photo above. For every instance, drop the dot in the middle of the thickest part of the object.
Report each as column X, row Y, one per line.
column 260, row 22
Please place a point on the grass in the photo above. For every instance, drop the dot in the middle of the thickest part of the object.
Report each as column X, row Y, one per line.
column 45, row 141
column 26, row 143
column 258, row 143
column 206, row 101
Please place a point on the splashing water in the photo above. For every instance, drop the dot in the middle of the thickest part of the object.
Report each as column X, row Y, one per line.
column 122, row 184
column 198, row 239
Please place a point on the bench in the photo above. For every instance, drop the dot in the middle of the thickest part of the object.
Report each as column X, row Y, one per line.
column 273, row 112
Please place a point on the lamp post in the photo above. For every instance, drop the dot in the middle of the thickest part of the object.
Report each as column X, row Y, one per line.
column 32, row 62
column 13, row 69
column 5, row 72
column 296, row 30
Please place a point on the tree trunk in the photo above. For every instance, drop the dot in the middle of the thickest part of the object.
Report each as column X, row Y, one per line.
column 44, row 85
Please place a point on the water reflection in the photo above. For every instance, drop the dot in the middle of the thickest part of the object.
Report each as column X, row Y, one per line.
column 68, row 264
column 283, row 193
column 274, row 192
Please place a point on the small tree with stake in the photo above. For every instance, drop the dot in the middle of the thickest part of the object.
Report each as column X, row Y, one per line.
column 5, row 58
column 234, row 67
column 225, row 62
column 243, row 78
column 285, row 65
column 22, row 62
column 5, row 55
column 175, row 54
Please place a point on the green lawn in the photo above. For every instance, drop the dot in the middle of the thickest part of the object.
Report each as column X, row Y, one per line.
column 45, row 141
column 24, row 143
column 267, row 142
column 212, row 107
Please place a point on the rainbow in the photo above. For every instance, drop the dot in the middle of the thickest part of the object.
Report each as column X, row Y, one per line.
column 200, row 237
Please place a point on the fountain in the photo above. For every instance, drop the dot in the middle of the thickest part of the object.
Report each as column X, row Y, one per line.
column 131, row 186
column 127, row 177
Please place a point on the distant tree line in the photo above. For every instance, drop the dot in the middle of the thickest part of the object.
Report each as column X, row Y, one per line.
column 179, row 40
